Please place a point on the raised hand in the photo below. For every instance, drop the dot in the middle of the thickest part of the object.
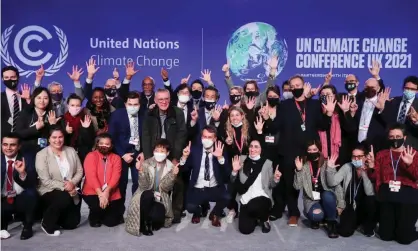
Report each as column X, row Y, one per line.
column 40, row 73
column 228, row 139
column 25, row 91
column 206, row 76
column 216, row 114
column 91, row 68
column 225, row 106
column 259, row 125
column 345, row 103
column 130, row 70
column 314, row 91
column 298, row 163
column 374, row 71
column 236, row 163
column 353, row 108
column 68, row 128
column 52, row 119
column 277, row 174
column 185, row 80
column 194, row 115
column 408, row 155
column 76, row 74
column 20, row 166
column 250, row 103
column 273, row 63
column 413, row 115
column 176, row 169
column 330, row 106
column 328, row 77
column 40, row 123
column 225, row 69
column 264, row 112
column 86, row 122
column 164, row 74
column 115, row 74
column 382, row 98
column 219, row 149
column 307, row 89
column 370, row 158
column 186, row 150
column 331, row 161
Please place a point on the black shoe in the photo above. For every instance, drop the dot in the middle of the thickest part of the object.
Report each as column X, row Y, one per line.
column 27, row 233
column 315, row 224
column 265, row 227
column 332, row 230
column 176, row 220
column 95, row 224
column 368, row 233
column 147, row 229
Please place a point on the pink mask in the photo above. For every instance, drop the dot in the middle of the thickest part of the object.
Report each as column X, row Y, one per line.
column 74, row 111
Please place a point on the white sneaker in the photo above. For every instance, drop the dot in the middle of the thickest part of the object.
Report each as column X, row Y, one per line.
column 56, row 232
column 4, row 234
column 231, row 216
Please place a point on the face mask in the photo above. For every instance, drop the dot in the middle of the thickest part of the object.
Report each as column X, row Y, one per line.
column 273, row 101
column 287, row 95
column 234, row 98
column 297, row 93
column 255, row 157
column 409, row 94
column 56, row 97
column 196, row 94
column 132, row 110
column 184, row 99
column 251, row 94
column 396, row 143
column 210, row 104
column 350, row 86
column 74, row 111
column 110, row 92
column 312, row 156
column 207, row 143
column 237, row 125
column 103, row 149
column 160, row 157
column 11, row 84
column 357, row 163
column 370, row 92
column 323, row 99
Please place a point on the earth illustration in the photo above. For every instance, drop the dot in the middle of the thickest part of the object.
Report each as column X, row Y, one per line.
column 250, row 49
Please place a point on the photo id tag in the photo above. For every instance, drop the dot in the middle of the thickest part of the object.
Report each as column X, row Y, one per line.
column 303, row 127
column 104, row 187
column 10, row 121
column 133, row 141
column 11, row 194
column 42, row 142
column 269, row 139
column 157, row 196
column 394, row 185
column 316, row 195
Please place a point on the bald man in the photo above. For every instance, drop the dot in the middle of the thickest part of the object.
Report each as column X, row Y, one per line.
column 147, row 94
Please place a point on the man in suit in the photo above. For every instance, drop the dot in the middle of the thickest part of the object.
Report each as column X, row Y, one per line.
column 11, row 102
column 210, row 172
column 397, row 110
column 18, row 186
column 208, row 114
column 125, row 128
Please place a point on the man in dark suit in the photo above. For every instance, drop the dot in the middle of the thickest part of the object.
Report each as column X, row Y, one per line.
column 208, row 114
column 18, row 186
column 125, row 126
column 210, row 173
column 11, row 102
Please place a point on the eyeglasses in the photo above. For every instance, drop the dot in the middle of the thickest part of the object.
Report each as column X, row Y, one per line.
column 357, row 156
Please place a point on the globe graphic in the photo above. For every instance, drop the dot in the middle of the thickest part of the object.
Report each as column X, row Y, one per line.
column 250, row 48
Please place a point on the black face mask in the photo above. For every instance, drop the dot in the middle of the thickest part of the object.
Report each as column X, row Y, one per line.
column 57, row 97
column 370, row 92
column 323, row 99
column 110, row 92
column 196, row 94
column 11, row 84
column 396, row 143
column 273, row 101
column 312, row 156
column 252, row 94
column 297, row 93
column 350, row 86
column 235, row 99
column 210, row 105
column 103, row 149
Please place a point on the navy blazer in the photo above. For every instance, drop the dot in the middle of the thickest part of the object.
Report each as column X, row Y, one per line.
column 222, row 172
column 120, row 129
column 31, row 180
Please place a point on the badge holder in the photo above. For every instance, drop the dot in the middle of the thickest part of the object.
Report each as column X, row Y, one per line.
column 394, row 186
column 303, row 127
column 42, row 142
column 316, row 195
column 269, row 139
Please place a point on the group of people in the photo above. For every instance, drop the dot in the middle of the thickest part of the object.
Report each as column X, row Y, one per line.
column 352, row 155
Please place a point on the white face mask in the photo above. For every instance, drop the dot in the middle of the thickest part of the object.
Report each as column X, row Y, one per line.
column 237, row 125
column 74, row 111
column 207, row 143
column 287, row 95
column 184, row 99
column 160, row 157
column 255, row 157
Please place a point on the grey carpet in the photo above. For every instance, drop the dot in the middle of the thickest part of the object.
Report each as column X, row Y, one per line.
column 186, row 236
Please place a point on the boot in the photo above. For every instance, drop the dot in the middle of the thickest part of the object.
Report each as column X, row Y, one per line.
column 332, row 229
column 147, row 228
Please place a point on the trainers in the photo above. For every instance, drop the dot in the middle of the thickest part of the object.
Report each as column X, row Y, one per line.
column 53, row 233
column 231, row 216
column 4, row 234
column 293, row 221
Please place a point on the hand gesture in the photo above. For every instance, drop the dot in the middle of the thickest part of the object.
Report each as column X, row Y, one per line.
column 328, row 77
column 225, row 69
column 115, row 74
column 139, row 162
column 68, row 128
column 86, row 122
column 330, row 106
column 408, row 155
column 25, row 91
column 216, row 114
column 307, row 89
column 128, row 157
column 194, row 115
column 298, row 163
column 413, row 115
column 206, row 76
column 370, row 158
column 273, row 63
column 339, row 211
column 375, row 69
column 186, row 150
column 353, row 108
column 164, row 74
column 76, row 74
column 40, row 123
column 314, row 91
column 264, row 112
column 331, row 161
column 176, row 169
column 225, row 106
column 250, row 103
column 277, row 174
column 52, row 119
column 91, row 68
column 228, row 139
column 185, row 80
column 20, row 166
column 40, row 73
column 345, row 103
column 259, row 125
column 382, row 98
column 219, row 149
column 236, row 163
column 130, row 70
column 68, row 186
column 151, row 107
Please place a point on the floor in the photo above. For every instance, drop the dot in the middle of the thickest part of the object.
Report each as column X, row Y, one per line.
column 186, row 236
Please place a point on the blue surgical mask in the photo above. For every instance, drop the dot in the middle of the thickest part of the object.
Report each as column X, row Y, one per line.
column 287, row 95
column 408, row 94
column 132, row 110
column 357, row 163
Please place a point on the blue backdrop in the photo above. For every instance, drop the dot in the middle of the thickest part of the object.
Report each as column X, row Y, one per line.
column 194, row 35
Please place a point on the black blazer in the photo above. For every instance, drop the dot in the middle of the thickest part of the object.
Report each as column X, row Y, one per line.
column 5, row 113
column 31, row 180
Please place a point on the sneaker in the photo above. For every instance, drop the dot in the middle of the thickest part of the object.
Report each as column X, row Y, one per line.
column 368, row 233
column 293, row 221
column 54, row 233
column 231, row 216
column 4, row 234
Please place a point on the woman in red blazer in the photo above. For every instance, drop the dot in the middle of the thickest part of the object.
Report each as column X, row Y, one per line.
column 100, row 191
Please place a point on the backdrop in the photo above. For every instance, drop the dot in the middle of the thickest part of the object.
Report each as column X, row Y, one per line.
column 309, row 36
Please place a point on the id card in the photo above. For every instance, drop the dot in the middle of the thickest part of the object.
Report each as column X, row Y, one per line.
column 303, row 127
column 42, row 142
column 134, row 141
column 394, row 185
column 10, row 121
column 11, row 194
column 269, row 139
column 316, row 195
column 157, row 196
column 104, row 187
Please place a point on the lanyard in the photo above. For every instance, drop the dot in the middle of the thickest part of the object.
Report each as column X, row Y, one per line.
column 314, row 179
column 302, row 113
column 105, row 169
column 240, row 146
column 358, row 186
column 394, row 167
column 156, row 177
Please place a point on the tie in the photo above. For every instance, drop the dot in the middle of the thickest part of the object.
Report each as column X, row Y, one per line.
column 208, row 117
column 207, row 171
column 402, row 113
column 9, row 186
column 135, row 132
column 16, row 111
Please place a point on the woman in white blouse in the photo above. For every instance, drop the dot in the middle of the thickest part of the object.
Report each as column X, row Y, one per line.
column 60, row 172
column 255, row 183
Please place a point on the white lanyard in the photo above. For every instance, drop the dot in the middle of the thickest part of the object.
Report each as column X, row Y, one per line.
column 394, row 167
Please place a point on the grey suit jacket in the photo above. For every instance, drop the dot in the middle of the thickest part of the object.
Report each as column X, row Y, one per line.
column 49, row 171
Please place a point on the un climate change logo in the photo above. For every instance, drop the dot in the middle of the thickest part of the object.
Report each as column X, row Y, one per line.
column 21, row 40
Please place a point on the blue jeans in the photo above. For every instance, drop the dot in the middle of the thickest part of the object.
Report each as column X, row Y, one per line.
column 328, row 207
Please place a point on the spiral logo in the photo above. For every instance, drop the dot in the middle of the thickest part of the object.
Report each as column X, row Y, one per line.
column 27, row 55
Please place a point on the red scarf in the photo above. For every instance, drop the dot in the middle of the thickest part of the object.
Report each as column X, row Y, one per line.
column 75, row 123
column 335, row 134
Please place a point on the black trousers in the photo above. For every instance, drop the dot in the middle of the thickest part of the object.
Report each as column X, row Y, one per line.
column 257, row 209
column 178, row 196
column 24, row 204
column 397, row 222
column 233, row 204
column 110, row 216
column 124, row 178
column 60, row 211
column 199, row 196
column 364, row 216
column 151, row 210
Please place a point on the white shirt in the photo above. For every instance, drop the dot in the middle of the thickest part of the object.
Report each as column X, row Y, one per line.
column 365, row 118
column 408, row 106
column 201, row 182
column 16, row 186
column 184, row 108
column 255, row 190
column 64, row 167
column 10, row 100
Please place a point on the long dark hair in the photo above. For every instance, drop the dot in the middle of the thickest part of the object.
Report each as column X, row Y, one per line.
column 36, row 93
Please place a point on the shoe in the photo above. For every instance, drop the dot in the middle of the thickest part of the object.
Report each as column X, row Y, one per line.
column 176, row 220
column 315, row 224
column 95, row 224
column 293, row 221
column 147, row 229
column 215, row 221
column 332, row 229
column 50, row 233
column 265, row 227
column 4, row 234
column 231, row 216
column 195, row 219
column 368, row 233
column 27, row 233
